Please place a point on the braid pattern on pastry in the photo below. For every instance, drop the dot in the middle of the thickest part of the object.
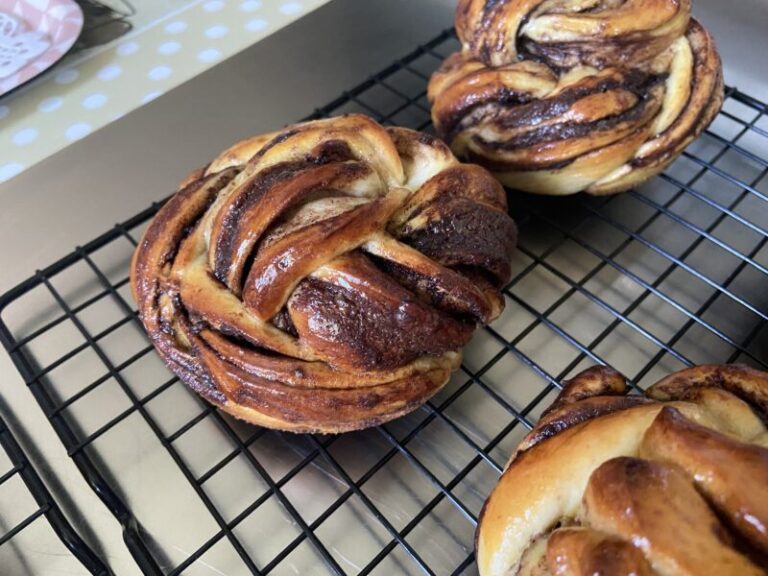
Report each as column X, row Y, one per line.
column 324, row 277
column 563, row 96
column 671, row 483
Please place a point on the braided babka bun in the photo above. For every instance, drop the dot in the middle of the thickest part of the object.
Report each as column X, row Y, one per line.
column 673, row 483
column 324, row 277
column 563, row 96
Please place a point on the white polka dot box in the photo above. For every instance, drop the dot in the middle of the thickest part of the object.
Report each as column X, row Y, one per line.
column 85, row 94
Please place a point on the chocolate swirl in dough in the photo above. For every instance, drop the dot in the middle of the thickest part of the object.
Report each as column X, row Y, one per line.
column 324, row 277
column 673, row 483
column 562, row 96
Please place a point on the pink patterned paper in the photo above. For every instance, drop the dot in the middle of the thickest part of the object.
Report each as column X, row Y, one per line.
column 61, row 21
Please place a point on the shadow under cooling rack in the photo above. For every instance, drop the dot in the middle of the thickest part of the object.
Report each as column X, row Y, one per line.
column 24, row 499
column 650, row 281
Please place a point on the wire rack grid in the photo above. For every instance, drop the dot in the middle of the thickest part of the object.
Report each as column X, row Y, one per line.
column 20, row 524
column 651, row 281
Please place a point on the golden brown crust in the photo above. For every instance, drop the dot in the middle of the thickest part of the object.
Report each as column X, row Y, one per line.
column 565, row 33
column 732, row 475
column 552, row 423
column 595, row 391
column 324, row 277
column 562, row 96
column 594, row 381
column 586, row 552
column 744, row 382
column 656, row 507
column 629, row 471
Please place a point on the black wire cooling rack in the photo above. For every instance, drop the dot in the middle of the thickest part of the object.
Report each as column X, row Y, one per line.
column 650, row 281
column 20, row 484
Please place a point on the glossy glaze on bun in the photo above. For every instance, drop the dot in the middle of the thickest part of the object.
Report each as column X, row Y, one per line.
column 324, row 277
column 673, row 483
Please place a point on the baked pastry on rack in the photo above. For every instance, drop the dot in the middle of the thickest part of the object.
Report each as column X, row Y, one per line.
column 326, row 276
column 563, row 96
column 673, row 483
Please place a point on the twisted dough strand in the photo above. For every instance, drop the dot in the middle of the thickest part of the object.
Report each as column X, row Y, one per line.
column 566, row 33
column 674, row 484
column 324, row 277
column 562, row 96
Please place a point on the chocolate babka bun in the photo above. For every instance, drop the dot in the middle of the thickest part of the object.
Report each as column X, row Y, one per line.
column 324, row 277
column 562, row 96
column 670, row 483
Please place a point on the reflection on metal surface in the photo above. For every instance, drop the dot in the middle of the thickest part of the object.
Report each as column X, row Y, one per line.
column 104, row 22
column 648, row 282
column 28, row 515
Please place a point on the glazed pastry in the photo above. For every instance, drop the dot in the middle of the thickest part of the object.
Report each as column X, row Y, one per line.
column 562, row 96
column 673, row 483
column 324, row 277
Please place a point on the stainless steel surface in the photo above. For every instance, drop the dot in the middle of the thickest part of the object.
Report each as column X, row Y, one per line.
column 140, row 158
column 52, row 208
